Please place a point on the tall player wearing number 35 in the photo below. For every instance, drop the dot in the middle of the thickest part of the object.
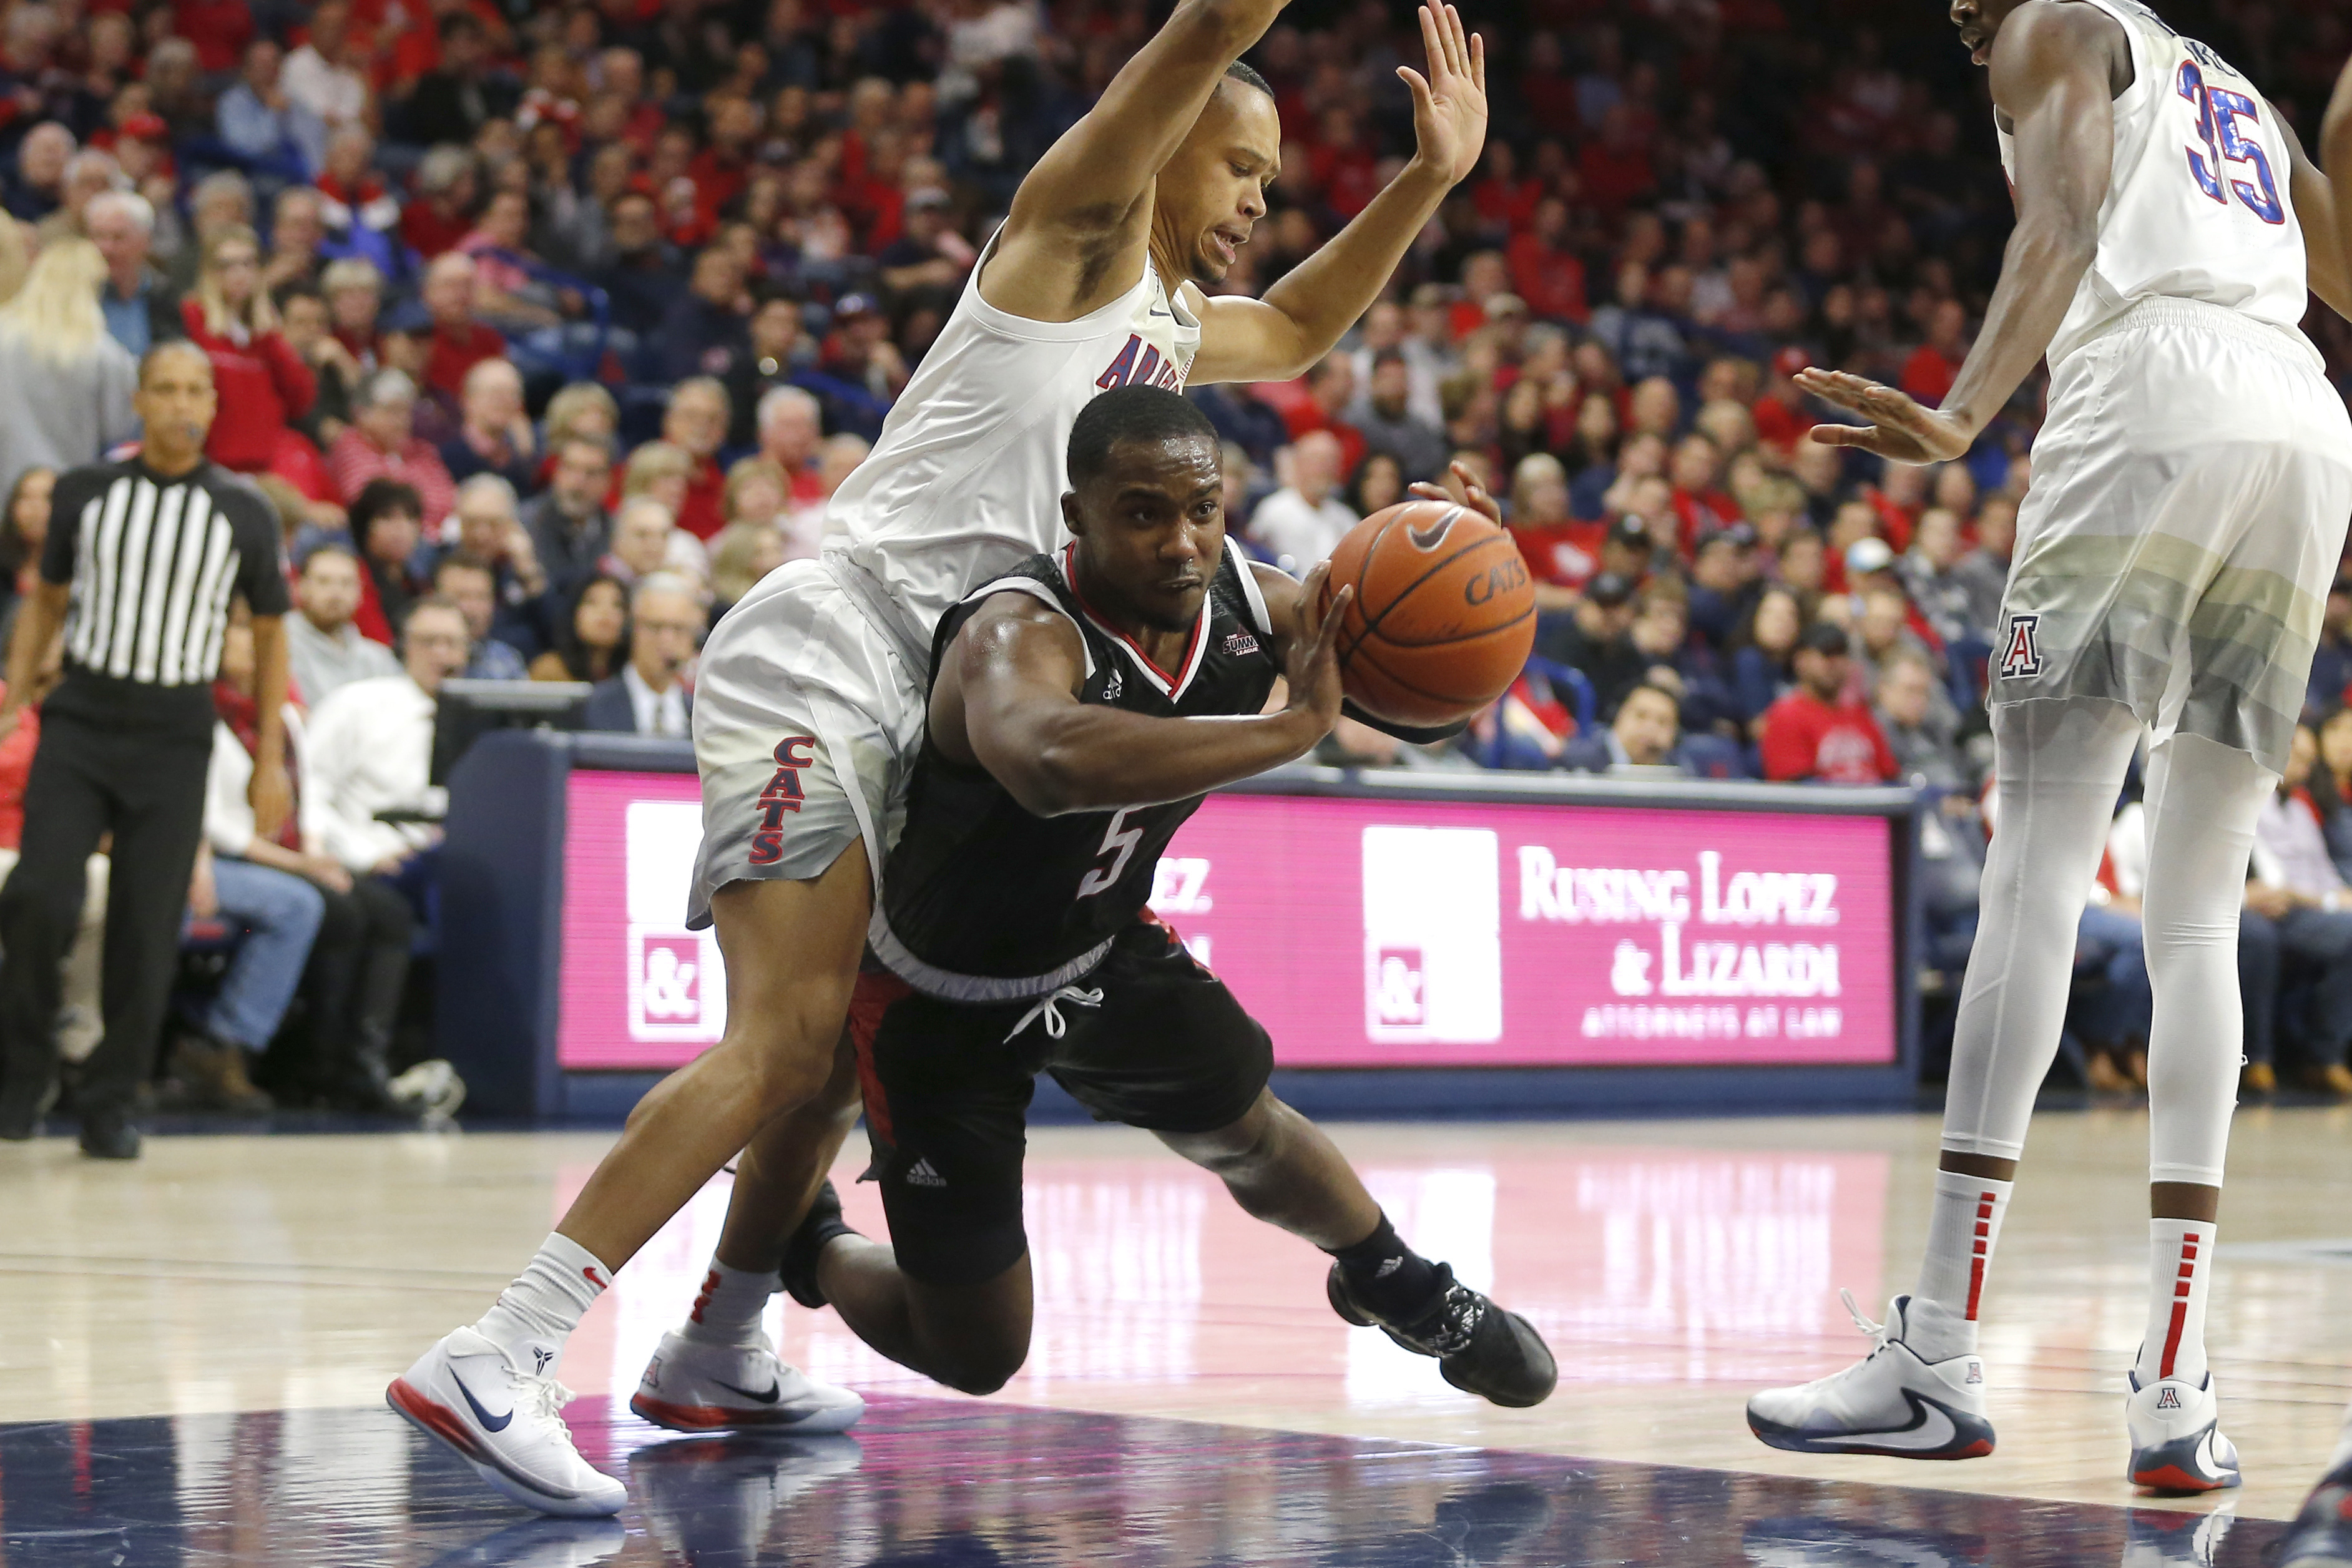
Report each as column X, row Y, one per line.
column 2190, row 487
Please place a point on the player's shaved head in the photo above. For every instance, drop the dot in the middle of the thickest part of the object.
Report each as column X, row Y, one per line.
column 1146, row 413
column 1148, row 506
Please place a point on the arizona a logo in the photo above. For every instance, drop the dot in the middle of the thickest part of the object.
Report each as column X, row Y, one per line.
column 2023, row 656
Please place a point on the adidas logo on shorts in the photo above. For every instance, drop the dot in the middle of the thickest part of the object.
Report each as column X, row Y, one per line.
column 922, row 1175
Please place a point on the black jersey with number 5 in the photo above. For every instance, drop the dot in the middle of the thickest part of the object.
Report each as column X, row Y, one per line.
column 983, row 901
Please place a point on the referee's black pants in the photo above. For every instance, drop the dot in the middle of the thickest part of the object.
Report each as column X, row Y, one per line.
column 86, row 780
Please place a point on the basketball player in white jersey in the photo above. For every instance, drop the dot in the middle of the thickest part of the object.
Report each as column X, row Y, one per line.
column 2190, row 488
column 809, row 708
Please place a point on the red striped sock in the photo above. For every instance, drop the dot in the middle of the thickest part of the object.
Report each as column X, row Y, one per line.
column 1962, row 1230
column 2180, row 1270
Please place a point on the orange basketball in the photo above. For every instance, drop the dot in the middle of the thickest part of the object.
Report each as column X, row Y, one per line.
column 1444, row 616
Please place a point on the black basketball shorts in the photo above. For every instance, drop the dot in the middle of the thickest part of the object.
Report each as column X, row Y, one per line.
column 1149, row 1038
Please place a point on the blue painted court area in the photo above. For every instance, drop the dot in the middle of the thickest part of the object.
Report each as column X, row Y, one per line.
column 945, row 1484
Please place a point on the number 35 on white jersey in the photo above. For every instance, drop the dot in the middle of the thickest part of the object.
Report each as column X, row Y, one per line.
column 2197, row 207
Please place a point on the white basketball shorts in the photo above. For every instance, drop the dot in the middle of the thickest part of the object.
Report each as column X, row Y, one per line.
column 807, row 719
column 2190, row 491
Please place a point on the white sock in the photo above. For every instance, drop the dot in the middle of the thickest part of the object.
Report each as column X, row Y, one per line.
column 728, row 1311
column 1961, row 1232
column 2179, row 1277
column 546, row 1301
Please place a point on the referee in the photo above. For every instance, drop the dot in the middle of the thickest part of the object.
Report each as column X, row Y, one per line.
column 143, row 560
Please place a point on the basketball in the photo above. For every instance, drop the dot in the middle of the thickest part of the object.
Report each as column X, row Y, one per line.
column 1444, row 616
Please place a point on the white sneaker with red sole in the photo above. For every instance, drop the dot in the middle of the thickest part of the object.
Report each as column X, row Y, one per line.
column 689, row 1386
column 504, row 1415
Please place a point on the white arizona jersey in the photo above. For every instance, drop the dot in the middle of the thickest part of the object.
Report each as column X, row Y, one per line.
column 2196, row 206
column 968, row 477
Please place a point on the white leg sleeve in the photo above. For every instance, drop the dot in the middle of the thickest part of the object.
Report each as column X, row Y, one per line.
column 2059, row 765
column 2202, row 799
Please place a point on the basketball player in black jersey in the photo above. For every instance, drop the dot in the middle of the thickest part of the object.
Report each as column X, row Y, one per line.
column 1079, row 708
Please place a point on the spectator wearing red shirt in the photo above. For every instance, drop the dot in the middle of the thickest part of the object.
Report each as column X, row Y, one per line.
column 1615, row 165
column 382, row 444
column 1560, row 550
column 261, row 380
column 1934, row 366
column 220, row 28
column 1505, row 201
column 1783, row 414
column 1342, row 166
column 443, row 211
column 458, row 342
column 1700, row 504
column 1812, row 735
column 1318, row 401
column 1544, row 272
column 696, row 424
column 720, row 171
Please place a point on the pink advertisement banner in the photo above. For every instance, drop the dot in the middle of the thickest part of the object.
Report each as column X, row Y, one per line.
column 1373, row 932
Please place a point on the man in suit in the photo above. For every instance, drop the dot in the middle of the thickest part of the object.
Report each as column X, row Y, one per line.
column 649, row 697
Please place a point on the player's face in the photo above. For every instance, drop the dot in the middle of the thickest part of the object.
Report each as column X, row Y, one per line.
column 1212, row 193
column 1978, row 21
column 1150, row 528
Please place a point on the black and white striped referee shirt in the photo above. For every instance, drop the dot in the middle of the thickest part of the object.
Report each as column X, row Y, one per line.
column 154, row 565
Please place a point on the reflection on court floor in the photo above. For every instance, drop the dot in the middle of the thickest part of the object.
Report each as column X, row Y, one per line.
column 939, row 1484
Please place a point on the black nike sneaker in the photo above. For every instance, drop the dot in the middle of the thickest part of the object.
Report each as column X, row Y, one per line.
column 823, row 1223
column 1480, row 1348
column 2321, row 1536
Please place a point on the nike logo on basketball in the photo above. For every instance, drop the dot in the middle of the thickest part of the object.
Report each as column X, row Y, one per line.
column 489, row 1422
column 1434, row 534
column 922, row 1175
column 774, row 1392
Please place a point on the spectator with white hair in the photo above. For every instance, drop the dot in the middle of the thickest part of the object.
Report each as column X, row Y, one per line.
column 257, row 121
column 382, row 444
column 494, row 434
column 65, row 385
column 140, row 307
column 1303, row 521
column 491, row 531
column 650, row 697
column 221, row 199
column 792, row 436
column 90, row 174
column 646, row 539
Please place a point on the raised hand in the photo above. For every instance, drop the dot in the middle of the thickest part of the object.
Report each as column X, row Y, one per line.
column 1449, row 105
column 1473, row 494
column 1899, row 428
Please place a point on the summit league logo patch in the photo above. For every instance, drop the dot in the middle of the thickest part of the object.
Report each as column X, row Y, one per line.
column 2023, row 654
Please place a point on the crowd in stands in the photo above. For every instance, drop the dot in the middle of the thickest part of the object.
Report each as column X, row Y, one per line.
column 548, row 330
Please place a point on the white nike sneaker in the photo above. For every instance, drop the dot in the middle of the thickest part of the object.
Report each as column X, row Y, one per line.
column 2176, row 1437
column 506, row 1420
column 1891, row 1402
column 689, row 1386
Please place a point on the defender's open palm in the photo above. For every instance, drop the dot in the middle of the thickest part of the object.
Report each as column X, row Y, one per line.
column 1899, row 427
column 1449, row 105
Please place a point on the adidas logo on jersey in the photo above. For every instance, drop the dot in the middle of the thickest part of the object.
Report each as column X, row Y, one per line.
column 1112, row 685
column 922, row 1175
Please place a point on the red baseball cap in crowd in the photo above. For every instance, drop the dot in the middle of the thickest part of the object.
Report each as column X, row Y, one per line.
column 1789, row 360
column 146, row 128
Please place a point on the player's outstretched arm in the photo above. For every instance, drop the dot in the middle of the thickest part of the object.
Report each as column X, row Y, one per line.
column 1006, row 700
column 2053, row 75
column 1074, row 238
column 1303, row 314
